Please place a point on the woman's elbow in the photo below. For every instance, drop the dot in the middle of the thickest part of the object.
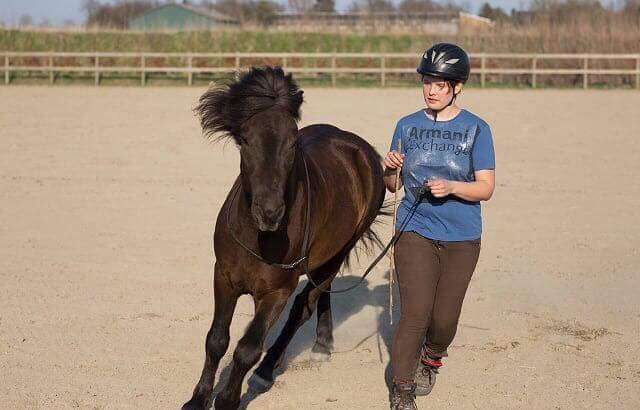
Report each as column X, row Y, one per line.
column 488, row 193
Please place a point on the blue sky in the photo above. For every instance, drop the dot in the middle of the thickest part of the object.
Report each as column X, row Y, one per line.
column 57, row 11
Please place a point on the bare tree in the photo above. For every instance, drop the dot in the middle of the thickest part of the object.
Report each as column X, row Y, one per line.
column 327, row 6
column 419, row 6
column 493, row 13
column 115, row 15
column 632, row 6
column 25, row 20
column 356, row 6
column 380, row 6
column 300, row 6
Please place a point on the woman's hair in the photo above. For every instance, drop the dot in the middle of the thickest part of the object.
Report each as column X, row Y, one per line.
column 450, row 83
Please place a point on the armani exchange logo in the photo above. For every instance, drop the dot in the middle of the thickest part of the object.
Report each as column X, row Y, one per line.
column 437, row 140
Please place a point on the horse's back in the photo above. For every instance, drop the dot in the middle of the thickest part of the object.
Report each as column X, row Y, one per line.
column 344, row 158
column 346, row 171
column 326, row 135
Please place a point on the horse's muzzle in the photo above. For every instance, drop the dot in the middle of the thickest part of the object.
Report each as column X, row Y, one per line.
column 268, row 219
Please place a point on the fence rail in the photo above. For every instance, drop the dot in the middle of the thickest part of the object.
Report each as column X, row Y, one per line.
column 485, row 64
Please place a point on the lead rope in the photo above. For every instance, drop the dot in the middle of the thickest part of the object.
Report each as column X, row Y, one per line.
column 392, row 259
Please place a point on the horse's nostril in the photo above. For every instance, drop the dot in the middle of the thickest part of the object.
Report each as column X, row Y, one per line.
column 274, row 213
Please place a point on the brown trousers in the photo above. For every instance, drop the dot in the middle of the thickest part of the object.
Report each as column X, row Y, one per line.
column 433, row 277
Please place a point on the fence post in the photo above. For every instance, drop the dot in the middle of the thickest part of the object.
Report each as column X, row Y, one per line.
column 6, row 70
column 585, row 76
column 51, row 79
column 637, row 73
column 333, row 70
column 284, row 63
column 143, row 65
column 96, row 72
column 483, row 65
column 534, row 68
column 237, row 73
column 383, row 74
column 190, row 74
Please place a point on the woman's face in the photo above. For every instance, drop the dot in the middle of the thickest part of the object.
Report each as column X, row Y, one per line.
column 437, row 92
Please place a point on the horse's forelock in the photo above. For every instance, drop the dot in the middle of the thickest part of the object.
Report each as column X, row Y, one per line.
column 223, row 110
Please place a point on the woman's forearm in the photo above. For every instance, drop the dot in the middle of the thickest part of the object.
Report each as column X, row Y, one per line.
column 472, row 191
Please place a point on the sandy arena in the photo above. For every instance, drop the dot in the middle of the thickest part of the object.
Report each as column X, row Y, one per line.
column 108, row 203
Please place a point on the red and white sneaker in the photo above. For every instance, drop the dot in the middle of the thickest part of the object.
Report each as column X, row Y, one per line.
column 426, row 374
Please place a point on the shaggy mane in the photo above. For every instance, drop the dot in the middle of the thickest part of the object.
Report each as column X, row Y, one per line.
column 223, row 109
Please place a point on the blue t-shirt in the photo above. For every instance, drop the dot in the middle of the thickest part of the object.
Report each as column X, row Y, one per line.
column 453, row 150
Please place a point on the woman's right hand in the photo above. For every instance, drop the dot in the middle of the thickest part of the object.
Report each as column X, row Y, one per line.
column 393, row 160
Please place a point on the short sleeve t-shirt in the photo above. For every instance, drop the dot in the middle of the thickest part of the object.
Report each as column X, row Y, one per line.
column 453, row 150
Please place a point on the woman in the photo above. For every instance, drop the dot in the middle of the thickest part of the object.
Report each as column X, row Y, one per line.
column 447, row 164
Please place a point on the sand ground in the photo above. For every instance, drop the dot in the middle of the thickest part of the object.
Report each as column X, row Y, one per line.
column 108, row 199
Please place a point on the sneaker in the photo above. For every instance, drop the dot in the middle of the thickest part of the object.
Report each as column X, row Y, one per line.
column 403, row 396
column 426, row 375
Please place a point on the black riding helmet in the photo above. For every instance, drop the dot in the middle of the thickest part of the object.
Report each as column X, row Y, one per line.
column 446, row 61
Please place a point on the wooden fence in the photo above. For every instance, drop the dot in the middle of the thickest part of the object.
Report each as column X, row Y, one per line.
column 485, row 65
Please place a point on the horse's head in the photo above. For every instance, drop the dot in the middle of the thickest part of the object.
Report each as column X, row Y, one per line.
column 260, row 112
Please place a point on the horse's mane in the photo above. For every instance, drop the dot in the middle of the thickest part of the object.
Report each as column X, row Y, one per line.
column 223, row 109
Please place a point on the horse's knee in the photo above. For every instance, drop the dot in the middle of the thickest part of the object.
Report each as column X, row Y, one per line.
column 217, row 344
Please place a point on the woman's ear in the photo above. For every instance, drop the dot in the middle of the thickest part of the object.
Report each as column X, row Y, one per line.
column 458, row 88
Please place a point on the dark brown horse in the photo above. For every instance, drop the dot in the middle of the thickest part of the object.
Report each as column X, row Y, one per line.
column 318, row 180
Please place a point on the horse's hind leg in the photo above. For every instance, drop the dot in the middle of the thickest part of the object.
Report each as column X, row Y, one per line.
column 324, row 330
column 302, row 309
column 249, row 349
column 225, row 299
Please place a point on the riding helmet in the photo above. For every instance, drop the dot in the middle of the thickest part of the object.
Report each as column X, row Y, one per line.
column 446, row 61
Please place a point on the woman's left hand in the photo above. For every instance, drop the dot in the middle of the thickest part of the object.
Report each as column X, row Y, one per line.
column 440, row 187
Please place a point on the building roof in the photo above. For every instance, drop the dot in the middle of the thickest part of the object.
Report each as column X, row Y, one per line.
column 206, row 12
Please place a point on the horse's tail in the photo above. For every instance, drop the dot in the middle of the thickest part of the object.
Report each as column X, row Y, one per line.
column 370, row 241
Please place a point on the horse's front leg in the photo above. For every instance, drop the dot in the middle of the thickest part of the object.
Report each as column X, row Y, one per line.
column 249, row 349
column 225, row 299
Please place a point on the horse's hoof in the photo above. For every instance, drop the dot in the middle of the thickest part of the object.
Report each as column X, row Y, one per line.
column 320, row 356
column 195, row 404
column 223, row 404
column 320, row 353
column 259, row 384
